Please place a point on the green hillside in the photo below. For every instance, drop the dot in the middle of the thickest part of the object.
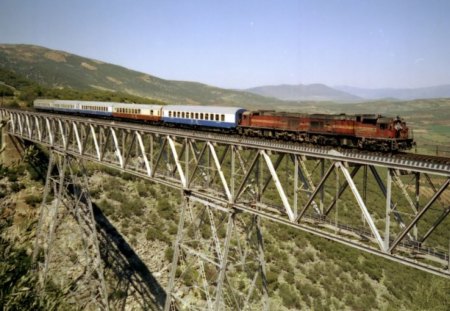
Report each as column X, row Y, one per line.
column 57, row 69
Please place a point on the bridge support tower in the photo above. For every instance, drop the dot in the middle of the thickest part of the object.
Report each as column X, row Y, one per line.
column 74, row 263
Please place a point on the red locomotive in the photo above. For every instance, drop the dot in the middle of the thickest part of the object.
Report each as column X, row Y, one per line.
column 372, row 132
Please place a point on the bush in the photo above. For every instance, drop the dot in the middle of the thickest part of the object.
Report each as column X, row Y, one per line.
column 289, row 296
column 16, row 187
column 165, row 209
column 33, row 200
column 134, row 206
column 12, row 176
column 106, row 207
column 117, row 196
column 168, row 254
column 141, row 189
column 156, row 234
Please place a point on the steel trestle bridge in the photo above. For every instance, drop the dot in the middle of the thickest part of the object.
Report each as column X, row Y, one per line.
column 391, row 205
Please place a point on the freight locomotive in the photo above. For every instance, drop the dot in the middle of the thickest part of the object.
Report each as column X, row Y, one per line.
column 362, row 131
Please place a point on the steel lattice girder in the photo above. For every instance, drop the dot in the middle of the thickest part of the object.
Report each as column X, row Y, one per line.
column 243, row 173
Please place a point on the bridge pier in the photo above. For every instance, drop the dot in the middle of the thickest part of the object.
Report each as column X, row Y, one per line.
column 66, row 208
column 208, row 237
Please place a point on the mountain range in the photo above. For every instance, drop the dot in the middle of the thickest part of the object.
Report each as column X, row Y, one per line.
column 310, row 92
column 439, row 91
column 58, row 69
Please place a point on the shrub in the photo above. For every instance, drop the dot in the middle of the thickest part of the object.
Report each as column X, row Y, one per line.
column 106, row 207
column 142, row 189
column 16, row 187
column 33, row 200
column 117, row 196
column 168, row 254
column 289, row 296
column 165, row 209
column 156, row 234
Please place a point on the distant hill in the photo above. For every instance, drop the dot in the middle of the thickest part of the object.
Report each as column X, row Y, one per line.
column 440, row 91
column 310, row 92
column 57, row 69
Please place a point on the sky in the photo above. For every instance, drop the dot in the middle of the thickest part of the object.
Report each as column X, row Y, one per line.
column 242, row 44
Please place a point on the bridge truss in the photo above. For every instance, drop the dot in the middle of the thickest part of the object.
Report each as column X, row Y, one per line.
column 394, row 206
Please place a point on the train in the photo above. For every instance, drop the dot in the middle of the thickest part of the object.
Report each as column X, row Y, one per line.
column 362, row 131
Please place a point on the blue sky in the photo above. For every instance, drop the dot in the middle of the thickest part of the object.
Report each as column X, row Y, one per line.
column 240, row 44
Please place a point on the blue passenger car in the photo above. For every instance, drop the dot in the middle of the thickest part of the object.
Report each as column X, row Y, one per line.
column 75, row 106
column 218, row 117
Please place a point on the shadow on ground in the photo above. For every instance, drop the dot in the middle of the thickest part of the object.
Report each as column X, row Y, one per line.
column 134, row 282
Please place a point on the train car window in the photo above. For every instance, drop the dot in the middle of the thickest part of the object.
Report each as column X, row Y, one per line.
column 201, row 116
column 217, row 117
column 369, row 121
column 183, row 114
column 316, row 124
column 206, row 116
column 196, row 115
column 222, row 117
column 170, row 114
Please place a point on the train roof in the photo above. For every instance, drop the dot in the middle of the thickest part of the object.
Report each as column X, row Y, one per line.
column 137, row 106
column 82, row 102
column 98, row 103
column 340, row 116
column 207, row 109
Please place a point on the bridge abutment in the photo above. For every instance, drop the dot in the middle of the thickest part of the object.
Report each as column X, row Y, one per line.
column 10, row 147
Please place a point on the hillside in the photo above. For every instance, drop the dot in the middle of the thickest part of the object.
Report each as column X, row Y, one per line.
column 311, row 92
column 304, row 272
column 57, row 69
